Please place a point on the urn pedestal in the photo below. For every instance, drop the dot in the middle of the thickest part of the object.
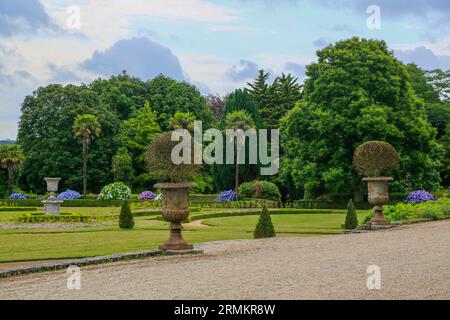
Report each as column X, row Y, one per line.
column 52, row 205
column 175, row 209
column 378, row 195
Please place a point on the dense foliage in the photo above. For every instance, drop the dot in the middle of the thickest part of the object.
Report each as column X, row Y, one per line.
column 356, row 92
column 122, row 167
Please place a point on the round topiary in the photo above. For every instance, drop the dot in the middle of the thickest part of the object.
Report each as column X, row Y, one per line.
column 160, row 164
column 115, row 191
column 373, row 157
column 260, row 190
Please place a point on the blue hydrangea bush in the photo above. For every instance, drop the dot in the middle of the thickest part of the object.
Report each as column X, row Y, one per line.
column 419, row 196
column 115, row 191
column 226, row 196
column 69, row 195
column 147, row 196
column 17, row 196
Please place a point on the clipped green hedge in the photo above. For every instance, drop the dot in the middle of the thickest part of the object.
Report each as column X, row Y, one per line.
column 16, row 209
column 41, row 218
column 253, row 213
column 243, row 204
column 313, row 204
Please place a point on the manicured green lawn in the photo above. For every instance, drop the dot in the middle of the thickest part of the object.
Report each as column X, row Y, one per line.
column 41, row 244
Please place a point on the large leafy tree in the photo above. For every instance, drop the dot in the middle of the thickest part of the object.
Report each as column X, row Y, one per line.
column 356, row 92
column 11, row 157
column 122, row 94
column 136, row 134
column 167, row 96
column 46, row 136
column 86, row 127
column 429, row 89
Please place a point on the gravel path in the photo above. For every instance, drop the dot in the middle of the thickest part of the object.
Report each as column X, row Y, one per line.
column 414, row 262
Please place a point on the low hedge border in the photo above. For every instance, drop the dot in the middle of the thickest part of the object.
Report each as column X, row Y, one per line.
column 16, row 209
column 225, row 214
column 54, row 266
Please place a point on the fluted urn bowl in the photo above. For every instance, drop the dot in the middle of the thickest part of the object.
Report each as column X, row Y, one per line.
column 378, row 195
column 175, row 209
column 52, row 184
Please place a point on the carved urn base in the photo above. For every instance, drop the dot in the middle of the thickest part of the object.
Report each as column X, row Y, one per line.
column 175, row 209
column 378, row 188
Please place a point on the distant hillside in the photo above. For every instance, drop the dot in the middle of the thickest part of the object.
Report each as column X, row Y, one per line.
column 7, row 142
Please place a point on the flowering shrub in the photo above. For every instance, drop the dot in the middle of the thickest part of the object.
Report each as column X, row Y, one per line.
column 115, row 191
column 419, row 196
column 69, row 195
column 147, row 195
column 17, row 196
column 226, row 196
column 430, row 210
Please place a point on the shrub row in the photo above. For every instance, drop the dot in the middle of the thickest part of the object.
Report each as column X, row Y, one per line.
column 313, row 204
column 41, row 218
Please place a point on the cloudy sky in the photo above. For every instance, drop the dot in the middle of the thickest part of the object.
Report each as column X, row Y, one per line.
column 216, row 44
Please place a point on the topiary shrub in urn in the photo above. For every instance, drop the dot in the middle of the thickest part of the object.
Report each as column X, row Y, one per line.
column 175, row 182
column 371, row 159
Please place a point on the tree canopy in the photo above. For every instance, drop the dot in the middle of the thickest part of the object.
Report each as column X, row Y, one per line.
column 356, row 92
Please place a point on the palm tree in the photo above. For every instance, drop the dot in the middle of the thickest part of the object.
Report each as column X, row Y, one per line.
column 85, row 127
column 11, row 157
column 182, row 120
column 239, row 119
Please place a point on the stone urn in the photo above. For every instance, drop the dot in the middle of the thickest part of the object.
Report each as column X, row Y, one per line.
column 175, row 209
column 52, row 205
column 378, row 188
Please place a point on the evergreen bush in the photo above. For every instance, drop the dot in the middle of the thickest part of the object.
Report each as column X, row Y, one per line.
column 126, row 220
column 264, row 228
column 351, row 220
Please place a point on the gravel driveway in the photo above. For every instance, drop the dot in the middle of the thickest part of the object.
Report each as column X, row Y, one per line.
column 414, row 262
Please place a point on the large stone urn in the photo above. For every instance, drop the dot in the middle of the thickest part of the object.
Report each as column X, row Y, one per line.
column 175, row 209
column 52, row 205
column 378, row 188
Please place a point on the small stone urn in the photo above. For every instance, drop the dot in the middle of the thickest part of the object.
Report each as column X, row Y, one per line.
column 175, row 209
column 52, row 205
column 378, row 196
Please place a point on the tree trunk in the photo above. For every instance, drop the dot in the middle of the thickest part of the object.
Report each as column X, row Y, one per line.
column 10, row 180
column 85, row 165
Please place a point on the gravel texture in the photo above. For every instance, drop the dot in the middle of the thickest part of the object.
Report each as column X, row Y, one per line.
column 414, row 262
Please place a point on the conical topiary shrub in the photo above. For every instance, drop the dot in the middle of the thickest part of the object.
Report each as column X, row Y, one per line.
column 264, row 228
column 126, row 220
column 351, row 220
